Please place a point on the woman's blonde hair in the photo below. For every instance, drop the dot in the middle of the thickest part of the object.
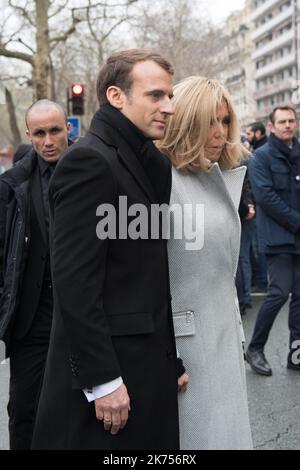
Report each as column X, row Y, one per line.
column 197, row 101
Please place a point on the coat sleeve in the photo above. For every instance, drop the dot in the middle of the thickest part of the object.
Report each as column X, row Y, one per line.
column 81, row 182
column 4, row 198
column 266, row 196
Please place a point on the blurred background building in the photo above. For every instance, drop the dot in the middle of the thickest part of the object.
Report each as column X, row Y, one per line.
column 235, row 64
column 275, row 55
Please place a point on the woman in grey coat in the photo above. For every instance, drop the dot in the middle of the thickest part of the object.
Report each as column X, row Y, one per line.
column 202, row 141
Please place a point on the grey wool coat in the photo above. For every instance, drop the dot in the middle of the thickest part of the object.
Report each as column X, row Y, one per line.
column 214, row 410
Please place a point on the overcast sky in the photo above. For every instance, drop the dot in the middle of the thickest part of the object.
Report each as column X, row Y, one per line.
column 218, row 10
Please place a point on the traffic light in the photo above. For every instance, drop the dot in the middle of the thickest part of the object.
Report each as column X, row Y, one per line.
column 77, row 99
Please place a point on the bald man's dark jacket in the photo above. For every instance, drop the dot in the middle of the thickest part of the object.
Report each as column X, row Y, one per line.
column 23, row 247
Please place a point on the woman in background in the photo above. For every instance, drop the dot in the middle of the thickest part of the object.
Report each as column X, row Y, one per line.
column 202, row 141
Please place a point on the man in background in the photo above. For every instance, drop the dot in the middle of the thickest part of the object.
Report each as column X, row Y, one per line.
column 275, row 179
column 25, row 278
column 256, row 134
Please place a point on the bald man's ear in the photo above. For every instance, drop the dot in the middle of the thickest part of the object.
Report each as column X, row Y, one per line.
column 68, row 125
column 28, row 134
column 115, row 96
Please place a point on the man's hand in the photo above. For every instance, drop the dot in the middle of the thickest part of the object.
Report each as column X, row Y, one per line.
column 113, row 409
column 183, row 382
column 251, row 212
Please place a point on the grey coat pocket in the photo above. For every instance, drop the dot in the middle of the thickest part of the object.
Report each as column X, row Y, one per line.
column 184, row 323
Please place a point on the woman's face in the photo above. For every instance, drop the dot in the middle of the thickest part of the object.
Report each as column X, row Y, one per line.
column 218, row 134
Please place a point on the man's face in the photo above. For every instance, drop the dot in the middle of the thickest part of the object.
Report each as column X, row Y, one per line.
column 148, row 103
column 48, row 133
column 250, row 135
column 285, row 125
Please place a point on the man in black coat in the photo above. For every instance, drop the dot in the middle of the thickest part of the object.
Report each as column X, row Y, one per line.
column 26, row 301
column 111, row 378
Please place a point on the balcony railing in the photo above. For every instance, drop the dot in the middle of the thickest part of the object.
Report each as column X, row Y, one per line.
column 277, row 64
column 274, row 88
column 280, row 41
column 272, row 23
column 268, row 5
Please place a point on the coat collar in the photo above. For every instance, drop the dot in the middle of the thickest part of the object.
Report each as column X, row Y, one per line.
column 36, row 195
column 24, row 179
column 22, row 171
column 112, row 138
column 230, row 182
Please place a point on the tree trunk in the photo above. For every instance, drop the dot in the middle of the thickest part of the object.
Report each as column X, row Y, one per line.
column 42, row 62
column 12, row 118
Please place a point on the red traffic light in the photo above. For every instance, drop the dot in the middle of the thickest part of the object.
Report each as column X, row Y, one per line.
column 76, row 98
column 77, row 89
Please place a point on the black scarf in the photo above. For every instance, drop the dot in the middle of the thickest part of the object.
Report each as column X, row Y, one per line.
column 152, row 160
column 291, row 154
column 259, row 143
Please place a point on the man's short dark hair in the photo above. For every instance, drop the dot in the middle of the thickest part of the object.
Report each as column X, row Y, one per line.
column 258, row 126
column 118, row 67
column 281, row 108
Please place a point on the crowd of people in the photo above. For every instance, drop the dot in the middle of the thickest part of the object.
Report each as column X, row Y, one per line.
column 122, row 334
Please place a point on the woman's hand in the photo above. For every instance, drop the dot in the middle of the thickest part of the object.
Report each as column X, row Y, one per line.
column 183, row 382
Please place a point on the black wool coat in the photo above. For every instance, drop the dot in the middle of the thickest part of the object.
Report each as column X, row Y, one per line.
column 23, row 247
column 112, row 314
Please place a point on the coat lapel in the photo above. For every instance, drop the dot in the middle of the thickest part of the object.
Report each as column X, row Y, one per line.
column 37, row 202
column 103, row 131
column 230, row 183
column 135, row 168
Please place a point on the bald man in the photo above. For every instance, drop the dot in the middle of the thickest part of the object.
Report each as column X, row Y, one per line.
column 25, row 278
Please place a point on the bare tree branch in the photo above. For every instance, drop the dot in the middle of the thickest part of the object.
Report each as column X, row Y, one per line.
column 90, row 21
column 59, row 8
column 105, row 36
column 16, row 55
column 64, row 37
column 11, row 38
column 20, row 40
column 23, row 11
column 106, row 5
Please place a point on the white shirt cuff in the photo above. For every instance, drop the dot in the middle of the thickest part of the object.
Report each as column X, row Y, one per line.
column 101, row 390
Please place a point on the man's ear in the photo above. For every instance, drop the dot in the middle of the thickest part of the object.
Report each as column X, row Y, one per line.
column 115, row 96
column 270, row 126
column 28, row 134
